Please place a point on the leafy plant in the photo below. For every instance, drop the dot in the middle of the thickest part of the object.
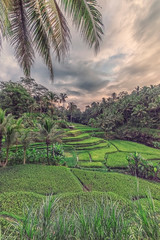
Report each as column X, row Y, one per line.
column 140, row 167
column 156, row 144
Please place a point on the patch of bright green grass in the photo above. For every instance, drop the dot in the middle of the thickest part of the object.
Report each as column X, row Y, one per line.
column 121, row 184
column 70, row 159
column 83, row 156
column 91, row 164
column 73, row 133
column 77, row 138
column 84, row 128
column 127, row 146
column 86, row 142
column 68, row 154
column 39, row 179
column 96, row 146
column 99, row 154
column 117, row 160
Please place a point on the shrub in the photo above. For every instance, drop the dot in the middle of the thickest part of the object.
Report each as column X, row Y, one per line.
column 62, row 124
column 156, row 145
column 140, row 167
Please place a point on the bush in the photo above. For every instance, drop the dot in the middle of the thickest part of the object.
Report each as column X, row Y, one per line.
column 140, row 167
column 156, row 145
column 62, row 124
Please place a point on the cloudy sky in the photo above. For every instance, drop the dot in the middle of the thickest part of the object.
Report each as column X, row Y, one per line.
column 129, row 55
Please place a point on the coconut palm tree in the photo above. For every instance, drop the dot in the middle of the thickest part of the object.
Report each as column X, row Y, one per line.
column 71, row 107
column 40, row 25
column 49, row 133
column 3, row 122
column 11, row 131
column 52, row 99
column 63, row 97
column 26, row 137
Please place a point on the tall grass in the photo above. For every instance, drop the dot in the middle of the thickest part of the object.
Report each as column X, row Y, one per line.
column 104, row 220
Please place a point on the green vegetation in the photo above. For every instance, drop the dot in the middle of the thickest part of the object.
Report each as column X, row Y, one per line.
column 99, row 154
column 99, row 172
column 38, row 179
column 126, row 146
column 124, row 185
column 15, row 202
column 86, row 142
column 90, row 164
column 77, row 138
column 133, row 116
column 84, row 156
column 102, row 219
column 117, row 160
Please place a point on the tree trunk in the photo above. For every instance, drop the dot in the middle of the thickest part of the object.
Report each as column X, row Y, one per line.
column 16, row 144
column 53, row 150
column 71, row 117
column 24, row 156
column 7, row 156
column 47, row 143
column 1, row 137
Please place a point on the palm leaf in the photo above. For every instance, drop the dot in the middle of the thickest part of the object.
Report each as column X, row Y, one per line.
column 58, row 30
column 38, row 31
column 4, row 21
column 20, row 36
column 87, row 18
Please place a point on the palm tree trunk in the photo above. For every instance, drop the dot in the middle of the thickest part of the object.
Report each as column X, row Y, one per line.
column 7, row 156
column 1, row 137
column 24, row 156
column 53, row 150
column 47, row 152
column 16, row 144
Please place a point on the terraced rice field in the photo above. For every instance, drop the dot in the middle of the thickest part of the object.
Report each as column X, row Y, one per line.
column 94, row 152
column 30, row 184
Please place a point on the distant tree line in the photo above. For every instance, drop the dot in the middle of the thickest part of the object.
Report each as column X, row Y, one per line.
column 27, row 96
column 140, row 108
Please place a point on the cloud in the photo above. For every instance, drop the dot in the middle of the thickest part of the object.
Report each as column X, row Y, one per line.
column 129, row 55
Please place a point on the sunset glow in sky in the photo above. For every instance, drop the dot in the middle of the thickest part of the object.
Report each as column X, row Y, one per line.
column 129, row 55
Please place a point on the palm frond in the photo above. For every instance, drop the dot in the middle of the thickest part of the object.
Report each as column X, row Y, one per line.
column 4, row 21
column 87, row 18
column 58, row 30
column 39, row 34
column 20, row 36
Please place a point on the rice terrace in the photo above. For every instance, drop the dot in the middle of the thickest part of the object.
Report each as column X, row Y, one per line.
column 79, row 143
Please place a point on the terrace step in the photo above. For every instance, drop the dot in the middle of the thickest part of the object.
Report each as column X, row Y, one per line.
column 80, row 137
column 87, row 142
